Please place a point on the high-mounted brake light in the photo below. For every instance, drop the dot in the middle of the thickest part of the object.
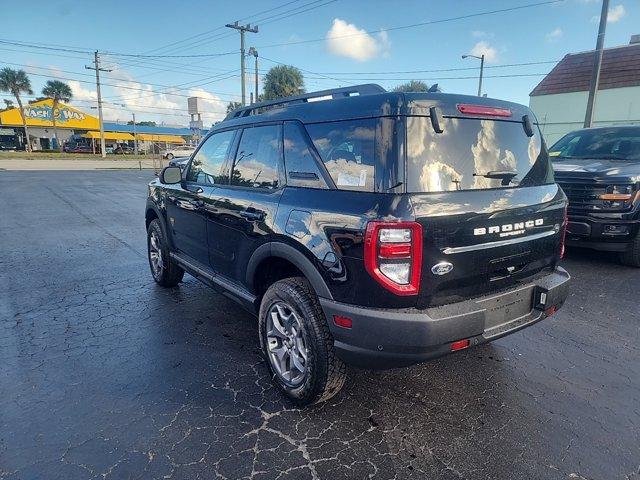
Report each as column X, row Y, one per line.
column 483, row 110
column 393, row 255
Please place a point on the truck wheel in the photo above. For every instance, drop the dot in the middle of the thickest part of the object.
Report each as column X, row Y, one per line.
column 164, row 270
column 297, row 343
column 632, row 256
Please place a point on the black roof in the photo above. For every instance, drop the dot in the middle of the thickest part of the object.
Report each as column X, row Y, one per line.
column 370, row 104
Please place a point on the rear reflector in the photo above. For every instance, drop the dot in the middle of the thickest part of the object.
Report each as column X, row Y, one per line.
column 342, row 321
column 484, row 110
column 551, row 310
column 460, row 345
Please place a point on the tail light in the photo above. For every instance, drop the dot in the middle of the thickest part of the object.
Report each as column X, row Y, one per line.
column 393, row 255
column 565, row 224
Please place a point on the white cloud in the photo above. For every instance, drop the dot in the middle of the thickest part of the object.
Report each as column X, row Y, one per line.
column 483, row 48
column 554, row 35
column 614, row 15
column 346, row 40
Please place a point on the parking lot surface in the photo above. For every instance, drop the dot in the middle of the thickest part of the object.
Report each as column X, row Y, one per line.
column 105, row 375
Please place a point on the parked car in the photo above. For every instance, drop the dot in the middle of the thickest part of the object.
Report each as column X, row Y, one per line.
column 123, row 149
column 370, row 228
column 179, row 162
column 183, row 151
column 74, row 147
column 599, row 170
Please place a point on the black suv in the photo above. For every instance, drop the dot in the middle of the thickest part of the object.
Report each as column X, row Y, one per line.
column 599, row 170
column 365, row 227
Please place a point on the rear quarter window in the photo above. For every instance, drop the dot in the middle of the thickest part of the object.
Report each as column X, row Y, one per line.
column 347, row 149
column 465, row 154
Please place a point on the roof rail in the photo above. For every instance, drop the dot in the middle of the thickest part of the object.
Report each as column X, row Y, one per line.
column 334, row 93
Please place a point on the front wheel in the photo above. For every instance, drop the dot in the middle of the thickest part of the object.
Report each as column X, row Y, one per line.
column 164, row 270
column 632, row 256
column 297, row 343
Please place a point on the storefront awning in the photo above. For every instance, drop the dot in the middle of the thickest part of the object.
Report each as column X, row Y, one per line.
column 109, row 136
column 159, row 137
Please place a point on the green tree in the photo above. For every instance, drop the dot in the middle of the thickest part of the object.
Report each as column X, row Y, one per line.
column 412, row 86
column 143, row 124
column 8, row 104
column 231, row 106
column 283, row 81
column 16, row 82
column 59, row 92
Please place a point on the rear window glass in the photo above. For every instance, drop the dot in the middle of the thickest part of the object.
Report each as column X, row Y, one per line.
column 473, row 154
column 347, row 149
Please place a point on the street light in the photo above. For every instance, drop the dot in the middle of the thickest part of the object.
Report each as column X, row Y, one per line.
column 254, row 52
column 481, row 58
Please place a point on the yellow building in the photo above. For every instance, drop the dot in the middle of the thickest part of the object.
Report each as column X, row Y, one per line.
column 69, row 122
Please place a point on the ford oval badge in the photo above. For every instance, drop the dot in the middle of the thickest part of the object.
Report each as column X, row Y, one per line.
column 441, row 268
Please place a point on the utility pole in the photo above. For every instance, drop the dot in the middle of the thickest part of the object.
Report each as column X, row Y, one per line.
column 242, row 29
column 597, row 63
column 254, row 52
column 135, row 138
column 96, row 67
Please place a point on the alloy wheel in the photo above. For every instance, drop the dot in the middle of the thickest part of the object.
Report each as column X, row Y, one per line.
column 155, row 254
column 286, row 346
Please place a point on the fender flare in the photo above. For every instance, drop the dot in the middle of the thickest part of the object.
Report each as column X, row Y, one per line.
column 289, row 253
column 151, row 206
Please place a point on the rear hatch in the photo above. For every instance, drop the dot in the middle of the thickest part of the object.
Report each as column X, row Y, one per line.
column 481, row 185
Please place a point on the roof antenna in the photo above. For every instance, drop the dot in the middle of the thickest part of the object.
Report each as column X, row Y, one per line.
column 433, row 88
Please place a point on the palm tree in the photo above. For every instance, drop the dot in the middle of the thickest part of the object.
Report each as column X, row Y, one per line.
column 283, row 81
column 59, row 92
column 16, row 82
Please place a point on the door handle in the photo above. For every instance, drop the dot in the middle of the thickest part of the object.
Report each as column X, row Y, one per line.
column 252, row 214
column 197, row 203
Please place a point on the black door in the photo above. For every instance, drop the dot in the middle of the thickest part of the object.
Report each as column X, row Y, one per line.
column 189, row 204
column 246, row 207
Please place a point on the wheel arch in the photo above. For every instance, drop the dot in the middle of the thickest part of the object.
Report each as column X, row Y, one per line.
column 277, row 251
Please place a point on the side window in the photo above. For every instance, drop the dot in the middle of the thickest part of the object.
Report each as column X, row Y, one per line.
column 206, row 166
column 256, row 163
column 301, row 167
column 347, row 149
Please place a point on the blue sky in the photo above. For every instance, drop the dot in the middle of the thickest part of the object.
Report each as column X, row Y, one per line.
column 340, row 53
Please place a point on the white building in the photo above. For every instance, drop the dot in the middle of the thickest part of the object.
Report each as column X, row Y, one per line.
column 560, row 99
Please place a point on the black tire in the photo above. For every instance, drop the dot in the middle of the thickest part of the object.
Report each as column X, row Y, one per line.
column 325, row 372
column 167, row 273
column 169, row 156
column 632, row 256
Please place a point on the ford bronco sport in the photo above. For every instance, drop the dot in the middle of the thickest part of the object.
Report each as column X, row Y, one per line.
column 368, row 228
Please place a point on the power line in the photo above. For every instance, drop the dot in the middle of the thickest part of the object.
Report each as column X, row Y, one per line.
column 420, row 24
column 220, row 27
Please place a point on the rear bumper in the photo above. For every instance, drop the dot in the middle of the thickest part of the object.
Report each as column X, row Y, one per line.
column 394, row 338
column 607, row 233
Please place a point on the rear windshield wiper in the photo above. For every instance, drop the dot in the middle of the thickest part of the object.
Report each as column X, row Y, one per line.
column 505, row 175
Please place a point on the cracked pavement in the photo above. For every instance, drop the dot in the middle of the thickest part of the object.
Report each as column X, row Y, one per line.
column 105, row 375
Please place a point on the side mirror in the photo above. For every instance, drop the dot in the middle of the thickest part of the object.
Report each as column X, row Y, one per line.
column 170, row 175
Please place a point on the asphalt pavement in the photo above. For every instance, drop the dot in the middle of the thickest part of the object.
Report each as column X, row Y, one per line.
column 105, row 375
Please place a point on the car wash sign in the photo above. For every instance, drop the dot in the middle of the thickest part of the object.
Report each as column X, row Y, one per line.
column 41, row 114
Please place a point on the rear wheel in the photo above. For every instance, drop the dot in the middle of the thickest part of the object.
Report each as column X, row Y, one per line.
column 164, row 270
column 297, row 343
column 632, row 256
